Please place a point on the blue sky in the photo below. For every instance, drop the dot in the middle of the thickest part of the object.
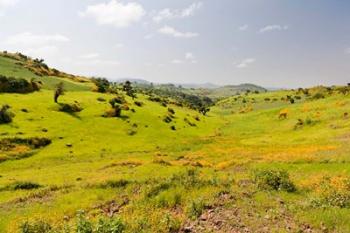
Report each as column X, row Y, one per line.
column 274, row 43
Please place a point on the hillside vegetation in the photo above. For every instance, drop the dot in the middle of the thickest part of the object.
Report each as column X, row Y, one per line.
column 132, row 160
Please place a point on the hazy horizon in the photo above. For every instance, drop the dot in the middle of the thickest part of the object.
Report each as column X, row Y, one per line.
column 270, row 43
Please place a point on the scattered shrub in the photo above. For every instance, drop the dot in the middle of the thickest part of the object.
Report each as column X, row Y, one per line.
column 167, row 119
column 195, row 209
column 101, row 99
column 24, row 185
column 115, row 184
column 5, row 115
column 138, row 103
column 173, row 127
column 111, row 225
column 70, row 108
column 171, row 111
column 17, row 85
column 274, row 180
column 35, row 227
column 318, row 95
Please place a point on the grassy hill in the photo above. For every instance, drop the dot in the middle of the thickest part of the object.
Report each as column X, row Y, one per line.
column 21, row 66
column 267, row 162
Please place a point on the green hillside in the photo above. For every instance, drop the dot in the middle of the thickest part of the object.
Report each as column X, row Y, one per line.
column 16, row 66
column 257, row 162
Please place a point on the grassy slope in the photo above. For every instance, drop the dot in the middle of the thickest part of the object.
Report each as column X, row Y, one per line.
column 224, row 148
column 97, row 142
column 8, row 67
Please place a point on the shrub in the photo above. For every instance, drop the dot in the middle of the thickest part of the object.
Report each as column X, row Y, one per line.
column 117, row 100
column 17, row 85
column 114, row 225
column 274, row 180
column 171, row 111
column 25, row 185
column 5, row 115
column 138, row 103
column 115, row 184
column 102, row 84
column 195, row 209
column 101, row 99
column 83, row 224
column 35, row 227
column 167, row 119
column 70, row 108
column 318, row 95
column 170, row 224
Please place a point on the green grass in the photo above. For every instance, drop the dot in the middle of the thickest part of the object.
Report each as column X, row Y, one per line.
column 162, row 174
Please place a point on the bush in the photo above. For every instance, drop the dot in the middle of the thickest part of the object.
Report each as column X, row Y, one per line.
column 110, row 226
column 115, row 184
column 318, row 95
column 138, row 103
column 171, row 111
column 117, row 100
column 274, row 180
column 195, row 209
column 101, row 99
column 36, row 227
column 25, row 186
column 17, row 85
column 70, row 108
column 167, row 119
column 5, row 115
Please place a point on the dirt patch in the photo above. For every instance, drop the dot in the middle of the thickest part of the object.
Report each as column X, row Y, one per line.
column 228, row 217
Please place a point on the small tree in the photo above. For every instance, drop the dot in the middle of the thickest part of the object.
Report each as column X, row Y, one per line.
column 204, row 110
column 129, row 90
column 5, row 115
column 59, row 91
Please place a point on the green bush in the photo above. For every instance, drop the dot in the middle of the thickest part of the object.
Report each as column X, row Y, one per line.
column 17, row 85
column 36, row 227
column 195, row 209
column 5, row 115
column 274, row 180
column 110, row 226
column 70, row 108
column 25, row 185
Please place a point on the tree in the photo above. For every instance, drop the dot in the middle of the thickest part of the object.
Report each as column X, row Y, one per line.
column 128, row 89
column 204, row 110
column 59, row 91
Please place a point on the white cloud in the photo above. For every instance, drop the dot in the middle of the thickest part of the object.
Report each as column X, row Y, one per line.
column 119, row 46
column 166, row 30
column 189, row 57
column 177, row 61
column 42, row 52
column 115, row 13
column 245, row 63
column 243, row 27
column 7, row 3
column 30, row 39
column 274, row 27
column 148, row 36
column 97, row 62
column 173, row 14
column 90, row 56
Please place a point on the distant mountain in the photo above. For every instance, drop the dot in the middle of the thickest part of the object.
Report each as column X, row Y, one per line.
column 133, row 80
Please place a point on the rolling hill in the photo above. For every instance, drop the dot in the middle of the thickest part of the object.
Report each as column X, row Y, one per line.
column 257, row 162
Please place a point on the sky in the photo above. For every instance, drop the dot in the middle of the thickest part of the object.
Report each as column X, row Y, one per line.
column 273, row 43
